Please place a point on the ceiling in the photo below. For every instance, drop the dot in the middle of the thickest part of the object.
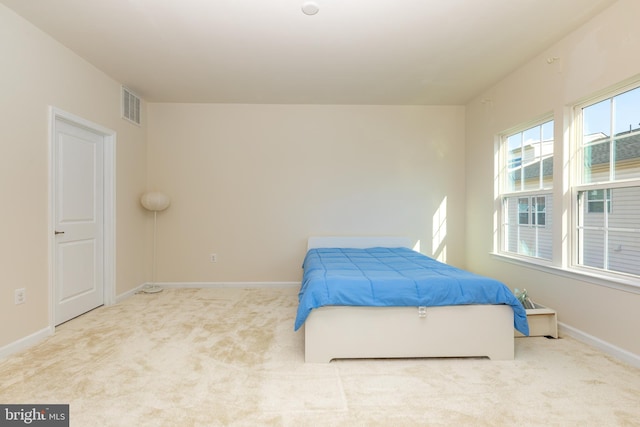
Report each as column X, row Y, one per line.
column 397, row 52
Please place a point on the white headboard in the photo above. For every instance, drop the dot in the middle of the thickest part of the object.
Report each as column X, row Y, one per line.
column 358, row 242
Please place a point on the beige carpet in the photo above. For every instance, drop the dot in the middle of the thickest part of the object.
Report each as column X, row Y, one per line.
column 229, row 357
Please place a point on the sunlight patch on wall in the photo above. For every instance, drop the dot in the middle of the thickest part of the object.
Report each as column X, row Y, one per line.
column 439, row 246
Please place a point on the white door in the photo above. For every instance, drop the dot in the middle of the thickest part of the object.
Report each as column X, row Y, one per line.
column 78, row 198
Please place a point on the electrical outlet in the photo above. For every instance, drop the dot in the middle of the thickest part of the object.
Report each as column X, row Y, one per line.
column 213, row 257
column 20, row 296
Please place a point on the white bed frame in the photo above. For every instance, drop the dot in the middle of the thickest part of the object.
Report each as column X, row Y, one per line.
column 341, row 332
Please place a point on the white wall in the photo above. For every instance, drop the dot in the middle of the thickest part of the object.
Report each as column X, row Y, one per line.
column 252, row 182
column 37, row 72
column 596, row 56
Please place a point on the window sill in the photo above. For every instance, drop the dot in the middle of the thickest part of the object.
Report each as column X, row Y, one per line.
column 619, row 283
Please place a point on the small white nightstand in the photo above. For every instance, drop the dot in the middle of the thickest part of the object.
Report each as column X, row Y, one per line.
column 543, row 321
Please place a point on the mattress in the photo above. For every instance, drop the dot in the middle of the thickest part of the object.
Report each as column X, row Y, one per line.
column 380, row 277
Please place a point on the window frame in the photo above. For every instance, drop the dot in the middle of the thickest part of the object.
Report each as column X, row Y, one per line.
column 505, row 167
column 577, row 184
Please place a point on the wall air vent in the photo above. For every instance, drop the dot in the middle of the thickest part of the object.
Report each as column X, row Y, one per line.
column 130, row 106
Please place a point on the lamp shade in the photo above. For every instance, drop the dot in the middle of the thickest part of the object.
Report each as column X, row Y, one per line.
column 155, row 201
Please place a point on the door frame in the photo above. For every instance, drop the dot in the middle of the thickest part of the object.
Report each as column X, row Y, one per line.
column 109, row 204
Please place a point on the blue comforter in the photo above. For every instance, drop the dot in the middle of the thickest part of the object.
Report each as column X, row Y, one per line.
column 394, row 277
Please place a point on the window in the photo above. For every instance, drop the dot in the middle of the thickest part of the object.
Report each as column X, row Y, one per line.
column 526, row 191
column 607, row 191
column 599, row 204
column 596, row 200
column 531, row 210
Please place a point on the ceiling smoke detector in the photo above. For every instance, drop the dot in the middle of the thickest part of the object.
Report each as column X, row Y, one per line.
column 310, row 8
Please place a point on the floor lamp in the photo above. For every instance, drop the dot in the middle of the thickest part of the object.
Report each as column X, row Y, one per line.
column 155, row 202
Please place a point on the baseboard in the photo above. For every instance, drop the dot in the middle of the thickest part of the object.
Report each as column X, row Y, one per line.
column 124, row 296
column 617, row 352
column 26, row 342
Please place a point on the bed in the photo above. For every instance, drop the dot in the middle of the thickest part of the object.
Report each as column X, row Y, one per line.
column 367, row 297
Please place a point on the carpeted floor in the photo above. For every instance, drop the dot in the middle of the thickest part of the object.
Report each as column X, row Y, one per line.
column 229, row 357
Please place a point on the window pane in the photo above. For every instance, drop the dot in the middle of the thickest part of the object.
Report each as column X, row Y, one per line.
column 591, row 248
column 514, row 147
column 514, row 162
column 596, row 121
column 532, row 176
column 530, row 136
column 592, row 211
column 624, row 209
column 627, row 160
column 515, row 159
column 514, row 180
column 547, row 131
column 540, row 208
column 610, row 240
column 514, row 141
column 530, row 158
column 624, row 248
column 547, row 172
column 596, row 162
column 510, row 215
column 627, row 111
column 520, row 237
column 523, row 210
